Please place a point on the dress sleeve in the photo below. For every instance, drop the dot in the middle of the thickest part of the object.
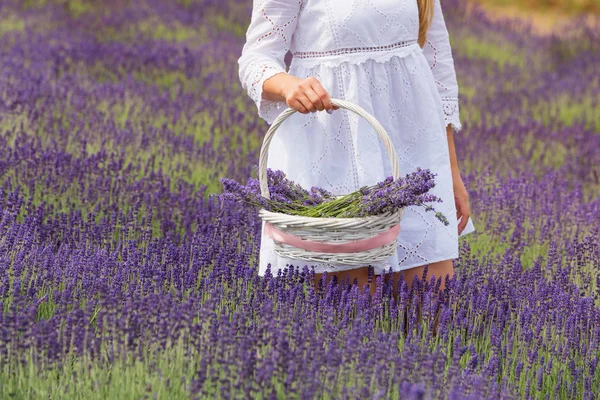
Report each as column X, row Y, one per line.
column 438, row 52
column 268, row 38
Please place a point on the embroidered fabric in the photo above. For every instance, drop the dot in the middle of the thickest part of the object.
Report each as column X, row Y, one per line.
column 317, row 35
column 451, row 113
column 354, row 55
column 311, row 54
column 363, row 51
column 438, row 52
column 267, row 109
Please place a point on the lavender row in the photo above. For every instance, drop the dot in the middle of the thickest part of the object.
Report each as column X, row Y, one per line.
column 117, row 121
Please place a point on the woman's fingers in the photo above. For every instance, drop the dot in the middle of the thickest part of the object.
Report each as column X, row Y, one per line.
column 463, row 224
column 297, row 105
column 306, row 103
column 308, row 95
column 312, row 92
column 323, row 95
column 465, row 214
column 461, row 199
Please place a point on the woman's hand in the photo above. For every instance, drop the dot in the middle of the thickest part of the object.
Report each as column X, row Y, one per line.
column 461, row 198
column 306, row 95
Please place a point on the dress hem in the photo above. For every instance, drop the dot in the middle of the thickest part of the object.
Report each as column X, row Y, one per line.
column 379, row 270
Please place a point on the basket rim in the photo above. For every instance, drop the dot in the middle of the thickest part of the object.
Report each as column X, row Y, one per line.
column 345, row 104
column 301, row 218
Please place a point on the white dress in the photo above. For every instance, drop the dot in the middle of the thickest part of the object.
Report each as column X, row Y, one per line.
column 366, row 52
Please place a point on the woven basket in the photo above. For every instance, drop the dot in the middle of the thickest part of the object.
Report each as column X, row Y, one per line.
column 349, row 241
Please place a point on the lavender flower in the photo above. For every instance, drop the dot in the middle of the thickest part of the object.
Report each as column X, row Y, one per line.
column 111, row 136
column 284, row 193
column 383, row 197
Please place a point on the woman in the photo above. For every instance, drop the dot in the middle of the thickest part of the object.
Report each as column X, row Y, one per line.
column 391, row 57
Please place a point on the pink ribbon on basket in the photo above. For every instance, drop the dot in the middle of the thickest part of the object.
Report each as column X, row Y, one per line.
column 378, row 240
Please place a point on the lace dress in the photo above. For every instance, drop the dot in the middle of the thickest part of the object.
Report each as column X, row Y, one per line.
column 366, row 52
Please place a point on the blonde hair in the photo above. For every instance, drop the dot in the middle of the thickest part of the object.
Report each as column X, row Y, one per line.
column 425, row 17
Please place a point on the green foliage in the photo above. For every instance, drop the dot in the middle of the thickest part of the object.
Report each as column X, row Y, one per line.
column 566, row 6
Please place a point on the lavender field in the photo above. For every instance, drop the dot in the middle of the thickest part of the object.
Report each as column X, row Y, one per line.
column 122, row 278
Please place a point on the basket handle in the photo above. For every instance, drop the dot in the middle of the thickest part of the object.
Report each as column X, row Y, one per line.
column 262, row 163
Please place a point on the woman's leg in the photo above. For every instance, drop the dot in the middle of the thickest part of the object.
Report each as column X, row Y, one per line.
column 440, row 268
column 437, row 269
column 361, row 274
column 366, row 279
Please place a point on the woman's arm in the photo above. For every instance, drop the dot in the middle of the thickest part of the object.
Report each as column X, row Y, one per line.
column 438, row 52
column 268, row 39
column 262, row 67
column 274, row 87
column 453, row 158
column 303, row 95
column 461, row 196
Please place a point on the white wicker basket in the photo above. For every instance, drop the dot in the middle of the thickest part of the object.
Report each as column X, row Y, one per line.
column 348, row 241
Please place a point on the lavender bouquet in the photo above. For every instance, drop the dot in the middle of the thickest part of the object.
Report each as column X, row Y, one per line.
column 290, row 198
